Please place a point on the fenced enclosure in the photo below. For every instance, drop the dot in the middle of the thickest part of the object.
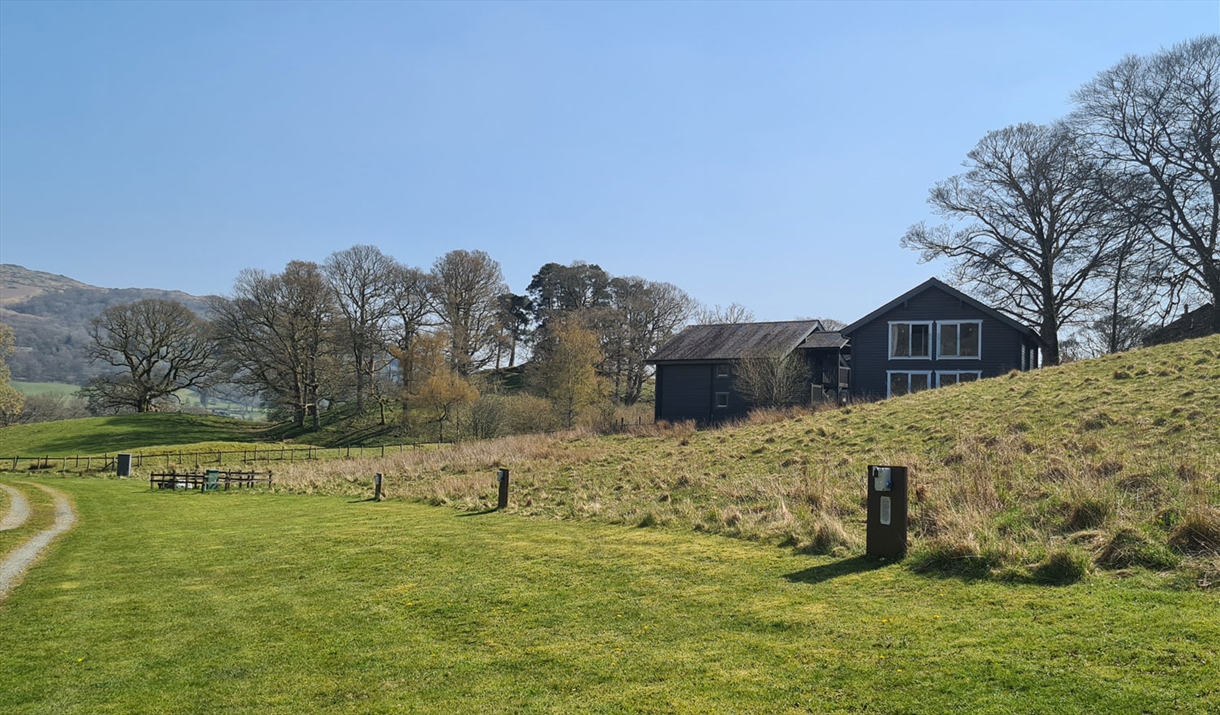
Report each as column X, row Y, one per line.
column 94, row 464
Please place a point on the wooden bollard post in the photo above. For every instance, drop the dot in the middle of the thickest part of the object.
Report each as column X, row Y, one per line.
column 502, row 478
column 377, row 487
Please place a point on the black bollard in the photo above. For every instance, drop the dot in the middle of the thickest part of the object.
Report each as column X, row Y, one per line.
column 502, row 478
column 377, row 487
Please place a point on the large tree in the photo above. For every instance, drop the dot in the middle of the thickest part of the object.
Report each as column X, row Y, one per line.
column 1028, row 225
column 11, row 401
column 568, row 377
column 273, row 334
column 361, row 278
column 465, row 289
column 411, row 308
column 158, row 347
column 1157, row 119
column 642, row 316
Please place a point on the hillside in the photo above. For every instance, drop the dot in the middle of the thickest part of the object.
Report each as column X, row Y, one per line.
column 49, row 314
column 1114, row 461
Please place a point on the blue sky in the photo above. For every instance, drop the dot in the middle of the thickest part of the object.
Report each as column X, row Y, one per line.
column 770, row 154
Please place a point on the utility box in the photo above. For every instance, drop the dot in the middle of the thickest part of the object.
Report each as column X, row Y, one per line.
column 887, row 512
column 123, row 465
column 211, row 480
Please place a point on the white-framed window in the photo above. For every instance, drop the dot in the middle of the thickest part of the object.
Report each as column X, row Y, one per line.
column 903, row 382
column 722, row 400
column 911, row 340
column 722, row 369
column 961, row 339
column 956, row 376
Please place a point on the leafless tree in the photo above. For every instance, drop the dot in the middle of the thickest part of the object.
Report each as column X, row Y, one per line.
column 715, row 315
column 412, row 310
column 1157, row 119
column 273, row 334
column 1027, row 226
column 158, row 347
column 465, row 288
column 642, row 316
column 772, row 380
column 361, row 278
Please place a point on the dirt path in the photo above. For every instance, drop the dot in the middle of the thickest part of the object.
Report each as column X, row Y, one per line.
column 18, row 509
column 17, row 562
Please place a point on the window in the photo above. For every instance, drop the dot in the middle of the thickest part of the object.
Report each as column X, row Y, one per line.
column 911, row 340
column 959, row 339
column 952, row 378
column 722, row 400
column 902, row 383
column 722, row 370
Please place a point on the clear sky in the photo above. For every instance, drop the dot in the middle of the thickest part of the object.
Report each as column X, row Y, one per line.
column 770, row 154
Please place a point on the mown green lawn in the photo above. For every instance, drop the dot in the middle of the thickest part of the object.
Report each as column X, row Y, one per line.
column 267, row 603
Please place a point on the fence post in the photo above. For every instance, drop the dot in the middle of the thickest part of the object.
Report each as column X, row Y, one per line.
column 377, row 486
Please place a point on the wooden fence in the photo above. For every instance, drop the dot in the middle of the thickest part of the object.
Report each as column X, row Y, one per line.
column 108, row 462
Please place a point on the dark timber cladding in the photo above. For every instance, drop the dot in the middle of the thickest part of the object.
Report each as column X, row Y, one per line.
column 694, row 379
column 945, row 336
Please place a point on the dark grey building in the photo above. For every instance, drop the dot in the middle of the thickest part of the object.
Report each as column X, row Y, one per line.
column 694, row 371
column 935, row 335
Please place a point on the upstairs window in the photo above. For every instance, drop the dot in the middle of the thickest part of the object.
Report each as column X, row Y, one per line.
column 960, row 339
column 911, row 340
column 722, row 369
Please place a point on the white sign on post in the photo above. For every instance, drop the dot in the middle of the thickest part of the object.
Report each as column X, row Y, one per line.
column 885, row 511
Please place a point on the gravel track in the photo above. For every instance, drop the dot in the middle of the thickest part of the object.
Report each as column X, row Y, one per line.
column 15, row 564
column 18, row 509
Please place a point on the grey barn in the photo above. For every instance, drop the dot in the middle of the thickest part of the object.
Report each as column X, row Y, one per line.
column 931, row 336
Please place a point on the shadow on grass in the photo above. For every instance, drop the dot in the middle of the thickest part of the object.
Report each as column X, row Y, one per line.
column 846, row 567
column 492, row 510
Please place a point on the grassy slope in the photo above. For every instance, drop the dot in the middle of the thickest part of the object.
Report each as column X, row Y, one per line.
column 1005, row 471
column 99, row 435
column 245, row 602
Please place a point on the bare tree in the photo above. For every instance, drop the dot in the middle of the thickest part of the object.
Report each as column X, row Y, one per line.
column 1029, row 227
column 465, row 288
column 643, row 315
column 774, row 380
column 273, row 335
column 1158, row 119
column 715, row 315
column 158, row 347
column 412, row 309
column 361, row 278
column 12, row 402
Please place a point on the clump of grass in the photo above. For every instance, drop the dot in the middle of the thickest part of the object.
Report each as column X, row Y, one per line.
column 1128, row 547
column 1198, row 532
column 827, row 536
column 1087, row 513
column 1062, row 565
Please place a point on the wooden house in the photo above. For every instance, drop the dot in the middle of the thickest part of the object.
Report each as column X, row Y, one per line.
column 935, row 335
column 695, row 370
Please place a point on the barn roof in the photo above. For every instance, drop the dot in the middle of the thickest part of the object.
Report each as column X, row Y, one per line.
column 733, row 341
column 824, row 339
column 1193, row 324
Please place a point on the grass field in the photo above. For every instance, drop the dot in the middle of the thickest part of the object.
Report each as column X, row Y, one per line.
column 54, row 389
column 162, row 602
column 107, row 435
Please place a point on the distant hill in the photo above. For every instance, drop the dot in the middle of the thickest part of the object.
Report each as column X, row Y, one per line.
column 49, row 314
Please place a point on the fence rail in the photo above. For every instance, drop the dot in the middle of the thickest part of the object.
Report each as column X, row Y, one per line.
column 108, row 462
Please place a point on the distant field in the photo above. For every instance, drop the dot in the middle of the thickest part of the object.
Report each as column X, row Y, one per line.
column 161, row 602
column 34, row 389
column 107, row 435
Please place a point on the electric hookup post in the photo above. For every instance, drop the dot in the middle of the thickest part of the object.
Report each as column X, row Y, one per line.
column 502, row 478
column 887, row 512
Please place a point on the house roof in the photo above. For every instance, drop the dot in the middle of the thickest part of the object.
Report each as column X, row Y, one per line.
column 934, row 283
column 1196, row 323
column 823, row 339
column 733, row 341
